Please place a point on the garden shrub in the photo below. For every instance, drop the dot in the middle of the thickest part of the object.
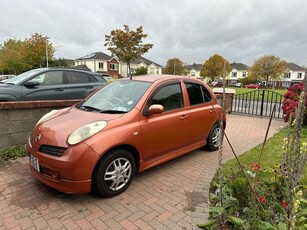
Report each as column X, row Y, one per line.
column 241, row 190
column 291, row 100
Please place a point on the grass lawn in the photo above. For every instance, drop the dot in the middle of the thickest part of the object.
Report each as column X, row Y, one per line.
column 271, row 156
column 256, row 94
column 243, row 90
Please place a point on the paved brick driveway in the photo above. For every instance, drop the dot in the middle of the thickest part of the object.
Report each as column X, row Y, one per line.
column 170, row 196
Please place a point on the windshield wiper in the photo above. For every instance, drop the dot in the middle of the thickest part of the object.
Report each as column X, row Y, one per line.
column 112, row 111
column 89, row 108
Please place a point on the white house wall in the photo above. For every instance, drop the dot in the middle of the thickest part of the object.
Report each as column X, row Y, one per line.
column 124, row 68
column 93, row 65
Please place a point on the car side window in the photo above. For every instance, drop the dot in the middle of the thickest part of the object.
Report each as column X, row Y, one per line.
column 78, row 78
column 198, row 94
column 170, row 97
column 49, row 78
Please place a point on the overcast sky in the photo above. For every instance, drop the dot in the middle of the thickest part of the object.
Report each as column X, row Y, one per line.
column 192, row 30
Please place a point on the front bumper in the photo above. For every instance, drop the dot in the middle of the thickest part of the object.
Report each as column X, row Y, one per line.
column 69, row 173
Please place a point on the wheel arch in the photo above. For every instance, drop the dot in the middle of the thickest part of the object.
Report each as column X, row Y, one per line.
column 134, row 152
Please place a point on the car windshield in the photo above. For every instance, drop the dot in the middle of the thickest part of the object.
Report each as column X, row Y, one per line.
column 117, row 97
column 21, row 77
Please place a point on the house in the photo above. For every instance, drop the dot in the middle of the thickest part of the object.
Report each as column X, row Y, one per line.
column 101, row 63
column 294, row 74
column 238, row 71
column 152, row 67
column 194, row 70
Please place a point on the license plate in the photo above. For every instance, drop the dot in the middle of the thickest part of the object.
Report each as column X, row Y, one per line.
column 34, row 162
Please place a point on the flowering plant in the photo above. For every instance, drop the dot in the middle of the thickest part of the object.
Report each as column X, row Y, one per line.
column 291, row 100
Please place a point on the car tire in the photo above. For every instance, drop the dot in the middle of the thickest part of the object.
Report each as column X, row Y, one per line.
column 213, row 138
column 113, row 173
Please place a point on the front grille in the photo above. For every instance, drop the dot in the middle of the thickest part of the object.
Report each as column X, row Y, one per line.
column 52, row 150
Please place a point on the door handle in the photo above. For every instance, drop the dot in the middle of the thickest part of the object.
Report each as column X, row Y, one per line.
column 184, row 117
column 59, row 89
column 89, row 87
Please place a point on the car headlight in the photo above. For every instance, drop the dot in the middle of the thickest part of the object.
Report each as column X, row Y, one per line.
column 86, row 131
column 46, row 116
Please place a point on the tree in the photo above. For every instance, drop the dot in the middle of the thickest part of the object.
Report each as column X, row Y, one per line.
column 248, row 80
column 214, row 67
column 60, row 62
column 175, row 66
column 140, row 71
column 267, row 67
column 39, row 49
column 126, row 44
column 13, row 56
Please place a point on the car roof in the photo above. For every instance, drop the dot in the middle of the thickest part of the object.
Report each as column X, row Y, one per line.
column 66, row 68
column 158, row 77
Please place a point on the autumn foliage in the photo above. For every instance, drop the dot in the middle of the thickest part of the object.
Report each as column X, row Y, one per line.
column 291, row 101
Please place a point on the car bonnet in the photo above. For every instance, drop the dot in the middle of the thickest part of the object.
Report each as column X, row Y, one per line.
column 56, row 129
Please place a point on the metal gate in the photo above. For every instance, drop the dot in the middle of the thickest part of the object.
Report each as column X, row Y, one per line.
column 258, row 102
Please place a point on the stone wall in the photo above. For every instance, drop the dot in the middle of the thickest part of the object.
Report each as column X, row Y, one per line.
column 17, row 119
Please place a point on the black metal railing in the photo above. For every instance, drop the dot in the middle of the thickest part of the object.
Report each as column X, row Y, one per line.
column 258, row 102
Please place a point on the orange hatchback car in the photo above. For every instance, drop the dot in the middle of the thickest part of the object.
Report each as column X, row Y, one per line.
column 127, row 126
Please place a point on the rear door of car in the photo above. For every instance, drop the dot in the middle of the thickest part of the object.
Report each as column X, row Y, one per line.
column 81, row 84
column 202, row 115
column 50, row 87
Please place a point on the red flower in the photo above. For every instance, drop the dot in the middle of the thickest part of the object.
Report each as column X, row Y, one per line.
column 254, row 166
column 291, row 100
column 262, row 200
column 284, row 204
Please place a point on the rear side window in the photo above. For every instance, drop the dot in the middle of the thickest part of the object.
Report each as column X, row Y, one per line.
column 79, row 78
column 198, row 94
column 170, row 97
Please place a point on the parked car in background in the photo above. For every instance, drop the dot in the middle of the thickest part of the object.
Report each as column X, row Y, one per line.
column 238, row 84
column 216, row 84
column 107, row 78
column 252, row 86
column 4, row 78
column 51, row 84
column 128, row 126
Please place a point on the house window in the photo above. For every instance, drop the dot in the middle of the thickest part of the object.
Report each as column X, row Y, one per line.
column 192, row 74
column 244, row 74
column 234, row 74
column 299, row 75
column 113, row 66
column 151, row 70
column 287, row 75
column 100, row 65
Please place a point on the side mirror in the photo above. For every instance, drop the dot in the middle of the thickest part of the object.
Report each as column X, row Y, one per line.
column 31, row 84
column 155, row 109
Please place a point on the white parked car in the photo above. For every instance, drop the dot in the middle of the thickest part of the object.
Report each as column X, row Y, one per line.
column 4, row 78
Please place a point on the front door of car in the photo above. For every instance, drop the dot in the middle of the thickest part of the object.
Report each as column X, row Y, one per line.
column 166, row 132
column 48, row 86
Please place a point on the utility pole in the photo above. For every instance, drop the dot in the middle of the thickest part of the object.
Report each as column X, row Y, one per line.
column 47, row 53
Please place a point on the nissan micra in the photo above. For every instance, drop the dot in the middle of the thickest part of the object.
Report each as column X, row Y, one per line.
column 128, row 126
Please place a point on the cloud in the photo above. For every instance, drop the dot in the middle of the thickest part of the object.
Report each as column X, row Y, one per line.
column 190, row 30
